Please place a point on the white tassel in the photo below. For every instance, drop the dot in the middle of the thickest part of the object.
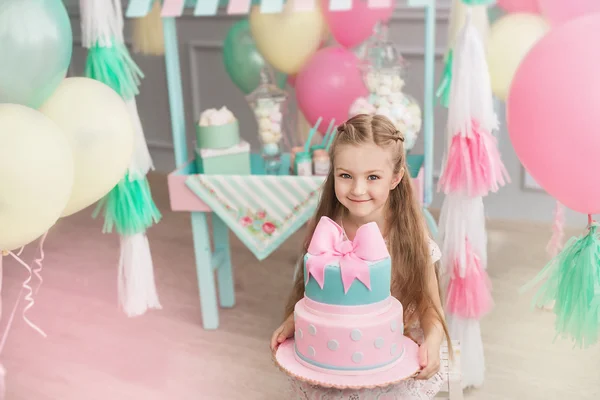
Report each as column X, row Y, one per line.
column 461, row 217
column 100, row 23
column 471, row 90
column 141, row 161
column 472, row 359
column 458, row 12
column 137, row 289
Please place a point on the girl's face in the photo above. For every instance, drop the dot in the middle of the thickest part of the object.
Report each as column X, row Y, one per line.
column 364, row 176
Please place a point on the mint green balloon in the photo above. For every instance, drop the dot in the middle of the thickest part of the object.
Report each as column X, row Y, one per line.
column 36, row 44
column 242, row 59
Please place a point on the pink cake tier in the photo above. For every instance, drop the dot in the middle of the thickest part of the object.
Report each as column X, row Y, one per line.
column 349, row 340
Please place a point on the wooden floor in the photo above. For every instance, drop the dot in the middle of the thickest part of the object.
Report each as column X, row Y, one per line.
column 93, row 352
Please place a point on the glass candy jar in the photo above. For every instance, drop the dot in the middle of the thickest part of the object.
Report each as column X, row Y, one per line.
column 382, row 68
column 268, row 103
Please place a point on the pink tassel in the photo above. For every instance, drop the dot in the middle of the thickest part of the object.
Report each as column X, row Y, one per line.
column 556, row 241
column 470, row 296
column 474, row 165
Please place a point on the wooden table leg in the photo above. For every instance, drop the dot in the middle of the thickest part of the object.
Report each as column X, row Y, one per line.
column 204, row 270
column 223, row 255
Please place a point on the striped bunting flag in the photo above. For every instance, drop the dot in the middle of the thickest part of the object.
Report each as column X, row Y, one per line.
column 262, row 210
column 207, row 8
column 172, row 8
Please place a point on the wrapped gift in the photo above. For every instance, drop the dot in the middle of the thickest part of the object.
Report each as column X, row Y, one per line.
column 234, row 160
column 217, row 129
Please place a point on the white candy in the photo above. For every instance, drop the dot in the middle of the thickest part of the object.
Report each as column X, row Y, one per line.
column 386, row 80
column 384, row 111
column 268, row 137
column 264, row 124
column 262, row 112
column 384, row 102
column 396, row 97
column 397, row 83
column 372, row 81
column 276, row 116
column 383, row 90
column 275, row 127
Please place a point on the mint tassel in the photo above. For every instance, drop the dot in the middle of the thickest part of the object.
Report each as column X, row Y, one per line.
column 572, row 280
column 128, row 207
column 443, row 92
column 114, row 67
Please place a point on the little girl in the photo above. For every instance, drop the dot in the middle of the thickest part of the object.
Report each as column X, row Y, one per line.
column 369, row 182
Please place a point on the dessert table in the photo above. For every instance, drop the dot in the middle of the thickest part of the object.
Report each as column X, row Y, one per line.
column 261, row 231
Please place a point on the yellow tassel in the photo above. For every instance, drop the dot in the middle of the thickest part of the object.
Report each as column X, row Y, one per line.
column 148, row 33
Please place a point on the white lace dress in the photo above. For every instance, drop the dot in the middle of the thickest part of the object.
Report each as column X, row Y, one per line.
column 410, row 389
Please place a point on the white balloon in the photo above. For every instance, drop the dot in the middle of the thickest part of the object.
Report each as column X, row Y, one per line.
column 98, row 125
column 36, row 175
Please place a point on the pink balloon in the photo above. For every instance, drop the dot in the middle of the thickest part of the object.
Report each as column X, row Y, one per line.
column 560, row 11
column 328, row 85
column 553, row 116
column 352, row 27
column 521, row 6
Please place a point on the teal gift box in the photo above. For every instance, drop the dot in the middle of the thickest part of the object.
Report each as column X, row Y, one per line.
column 218, row 136
column 234, row 160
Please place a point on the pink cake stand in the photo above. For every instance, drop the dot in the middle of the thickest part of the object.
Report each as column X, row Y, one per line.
column 407, row 368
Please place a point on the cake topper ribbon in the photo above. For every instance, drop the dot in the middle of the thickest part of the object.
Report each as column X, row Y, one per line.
column 328, row 246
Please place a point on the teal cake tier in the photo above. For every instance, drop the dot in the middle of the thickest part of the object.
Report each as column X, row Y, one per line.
column 358, row 293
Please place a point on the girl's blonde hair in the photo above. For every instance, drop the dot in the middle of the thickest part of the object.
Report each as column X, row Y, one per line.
column 406, row 234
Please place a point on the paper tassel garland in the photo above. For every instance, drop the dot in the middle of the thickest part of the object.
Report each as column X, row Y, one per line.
column 472, row 164
column 572, row 281
column 472, row 167
column 129, row 208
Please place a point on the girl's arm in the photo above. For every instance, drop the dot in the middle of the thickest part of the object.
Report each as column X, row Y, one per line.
column 430, row 321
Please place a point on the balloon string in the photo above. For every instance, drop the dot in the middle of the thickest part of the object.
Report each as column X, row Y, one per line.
column 38, row 261
column 25, row 288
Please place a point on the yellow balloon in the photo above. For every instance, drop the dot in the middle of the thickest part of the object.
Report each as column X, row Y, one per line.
column 99, row 127
column 288, row 39
column 511, row 38
column 36, row 175
column 479, row 18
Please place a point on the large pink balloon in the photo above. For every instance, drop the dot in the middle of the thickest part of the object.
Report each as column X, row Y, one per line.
column 553, row 115
column 560, row 11
column 352, row 27
column 328, row 85
column 521, row 6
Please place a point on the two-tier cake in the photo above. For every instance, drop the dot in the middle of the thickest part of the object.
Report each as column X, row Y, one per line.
column 348, row 327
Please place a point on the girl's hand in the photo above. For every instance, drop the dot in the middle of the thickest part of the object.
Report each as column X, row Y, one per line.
column 429, row 359
column 281, row 334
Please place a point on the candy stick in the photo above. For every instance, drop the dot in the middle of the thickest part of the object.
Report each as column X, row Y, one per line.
column 331, row 136
column 311, row 134
column 329, row 128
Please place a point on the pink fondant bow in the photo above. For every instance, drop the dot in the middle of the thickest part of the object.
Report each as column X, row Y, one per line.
column 328, row 246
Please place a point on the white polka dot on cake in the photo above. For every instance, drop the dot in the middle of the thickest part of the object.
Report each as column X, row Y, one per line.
column 299, row 334
column 311, row 351
column 394, row 349
column 394, row 325
column 333, row 345
column 357, row 357
column 356, row 335
column 312, row 330
column 379, row 342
